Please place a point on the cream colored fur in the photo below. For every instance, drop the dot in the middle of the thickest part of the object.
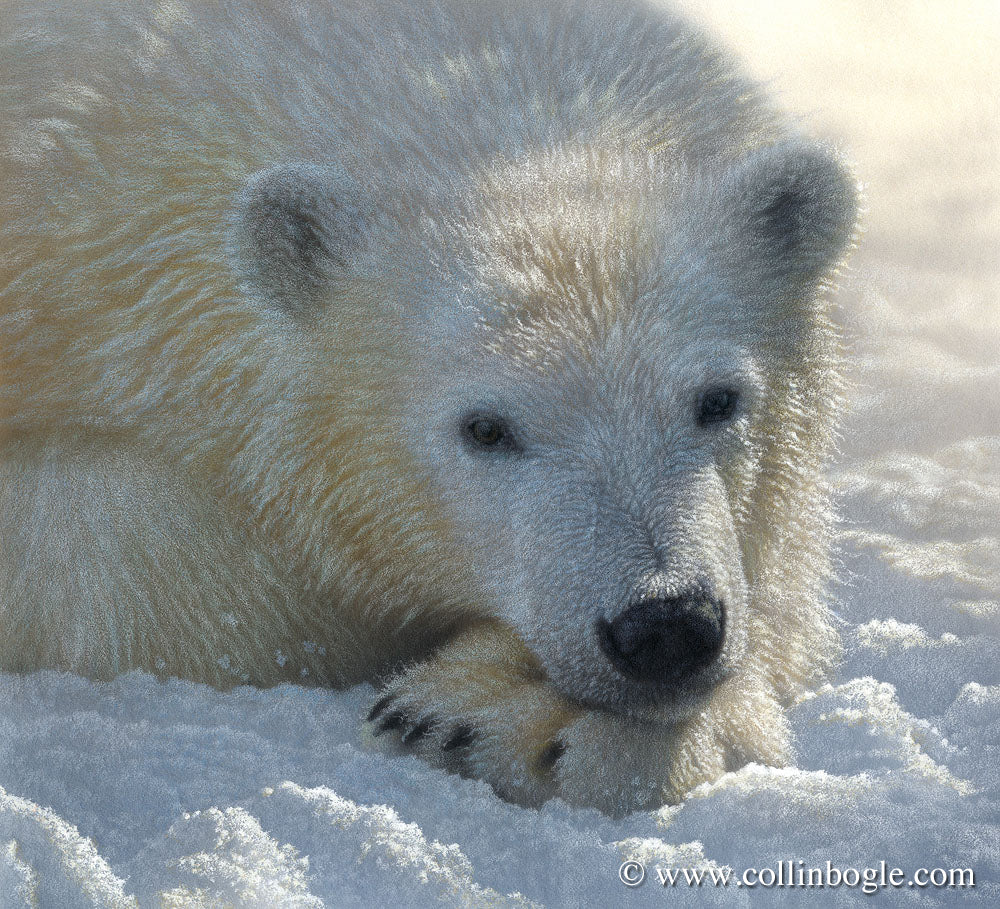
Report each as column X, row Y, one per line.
column 254, row 259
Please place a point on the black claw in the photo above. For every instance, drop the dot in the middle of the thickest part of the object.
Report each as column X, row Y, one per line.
column 418, row 731
column 389, row 722
column 552, row 752
column 380, row 705
column 462, row 736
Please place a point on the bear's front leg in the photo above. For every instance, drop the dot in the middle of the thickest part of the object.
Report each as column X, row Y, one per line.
column 482, row 707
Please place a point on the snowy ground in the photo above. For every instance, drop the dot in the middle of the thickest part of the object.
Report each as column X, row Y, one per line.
column 141, row 793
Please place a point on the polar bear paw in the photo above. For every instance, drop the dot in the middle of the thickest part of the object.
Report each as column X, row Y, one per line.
column 499, row 721
column 508, row 733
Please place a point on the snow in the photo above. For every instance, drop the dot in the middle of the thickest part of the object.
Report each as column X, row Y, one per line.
column 145, row 793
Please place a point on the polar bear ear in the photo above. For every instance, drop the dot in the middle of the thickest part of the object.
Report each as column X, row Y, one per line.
column 796, row 208
column 292, row 232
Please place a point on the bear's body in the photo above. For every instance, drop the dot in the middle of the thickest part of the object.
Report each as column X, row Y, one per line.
column 484, row 340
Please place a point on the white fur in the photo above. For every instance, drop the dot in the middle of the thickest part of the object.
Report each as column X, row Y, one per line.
column 257, row 263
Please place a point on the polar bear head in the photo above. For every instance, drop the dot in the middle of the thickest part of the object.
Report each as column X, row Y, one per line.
column 616, row 382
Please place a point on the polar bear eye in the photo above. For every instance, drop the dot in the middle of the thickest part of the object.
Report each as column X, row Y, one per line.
column 717, row 405
column 487, row 432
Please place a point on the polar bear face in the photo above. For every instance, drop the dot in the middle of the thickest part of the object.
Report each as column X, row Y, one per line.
column 592, row 358
column 596, row 493
column 596, row 402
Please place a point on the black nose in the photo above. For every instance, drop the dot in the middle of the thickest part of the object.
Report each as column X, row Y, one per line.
column 664, row 639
